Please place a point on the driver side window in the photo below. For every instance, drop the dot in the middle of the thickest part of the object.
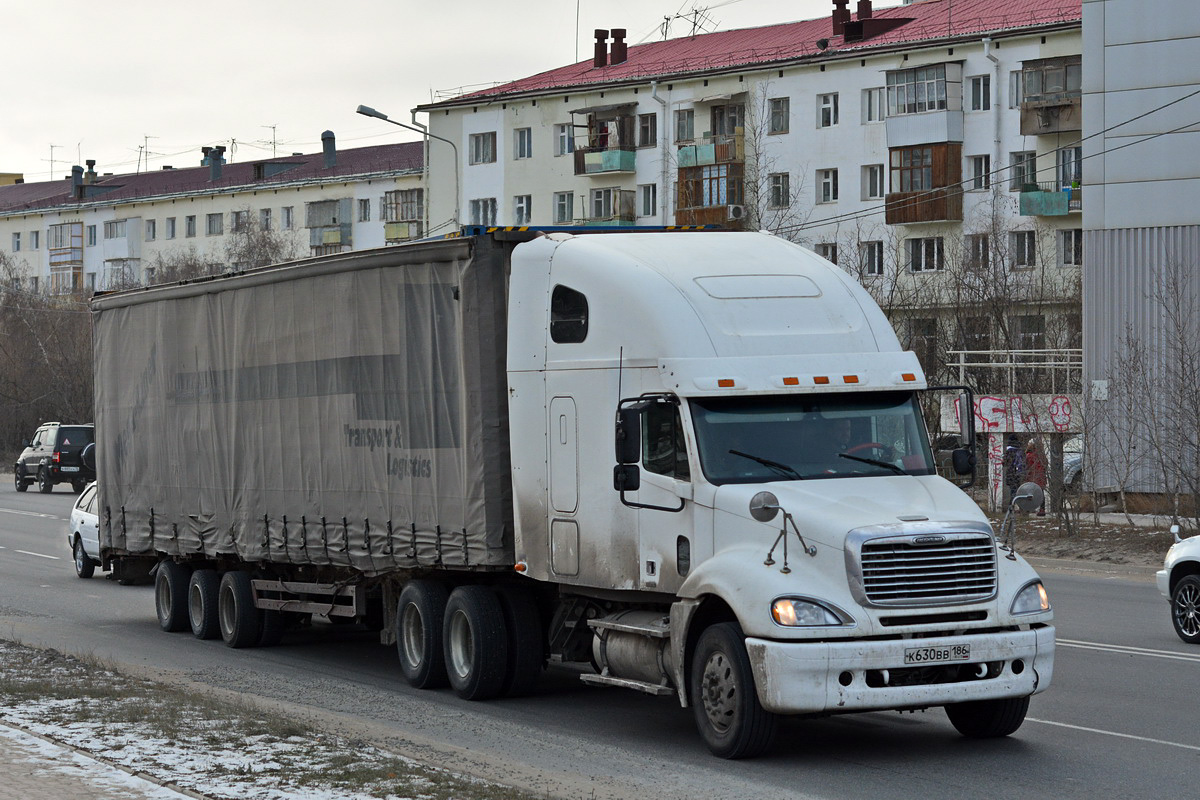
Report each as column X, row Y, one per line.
column 664, row 447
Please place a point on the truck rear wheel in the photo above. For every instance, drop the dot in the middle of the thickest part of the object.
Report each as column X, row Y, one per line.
column 202, row 603
column 988, row 719
column 475, row 642
column 724, row 702
column 271, row 626
column 239, row 618
column 526, row 651
column 420, row 612
column 171, row 596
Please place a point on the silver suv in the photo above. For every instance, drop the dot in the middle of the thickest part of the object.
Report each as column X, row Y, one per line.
column 55, row 455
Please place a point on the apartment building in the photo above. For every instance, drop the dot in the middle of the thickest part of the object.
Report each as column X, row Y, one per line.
column 93, row 231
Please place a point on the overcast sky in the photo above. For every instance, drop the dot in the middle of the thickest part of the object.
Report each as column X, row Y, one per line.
column 104, row 80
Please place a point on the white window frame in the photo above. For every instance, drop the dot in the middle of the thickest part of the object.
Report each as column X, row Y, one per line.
column 91, row 236
column 874, row 102
column 264, row 219
column 115, row 229
column 827, row 110
column 979, row 93
column 482, row 147
column 874, row 177
column 925, row 254
column 214, row 224
column 780, row 115
column 647, row 135
column 522, row 143
column 239, row 220
column 980, row 170
column 828, row 251
column 364, row 210
column 151, row 230
column 564, row 208
column 647, row 200
column 685, row 124
column 1022, row 169
column 483, row 211
column 779, row 190
column 1068, row 166
column 902, row 85
column 289, row 218
column 1023, row 249
column 870, row 257
column 16, row 242
column 522, row 209
column 978, row 255
column 827, row 185
column 1070, row 247
column 564, row 139
column 1015, row 95
column 171, row 227
column 603, row 201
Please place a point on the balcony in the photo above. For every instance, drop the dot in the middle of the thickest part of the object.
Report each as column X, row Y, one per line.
column 611, row 208
column 1050, row 200
column 930, row 205
column 604, row 160
column 724, row 149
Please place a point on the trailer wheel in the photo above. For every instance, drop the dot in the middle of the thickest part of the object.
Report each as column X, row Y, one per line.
column 240, row 625
column 271, row 626
column 988, row 719
column 526, row 649
column 171, row 596
column 419, row 615
column 724, row 703
column 202, row 603
column 476, row 643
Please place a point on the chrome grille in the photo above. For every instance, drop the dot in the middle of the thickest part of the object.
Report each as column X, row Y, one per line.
column 899, row 571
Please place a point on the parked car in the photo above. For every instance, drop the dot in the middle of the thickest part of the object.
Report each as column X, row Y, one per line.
column 1179, row 582
column 84, row 534
column 1073, row 463
column 53, row 456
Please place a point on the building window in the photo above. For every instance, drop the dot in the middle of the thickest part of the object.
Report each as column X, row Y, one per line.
column 602, row 203
column 404, row 205
column 170, row 227
column 828, row 251
column 483, row 148
column 364, row 210
column 483, row 211
column 978, row 251
column 264, row 219
column 779, row 190
column 151, row 230
column 239, row 221
column 91, row 235
column 35, row 240
column 685, row 125
column 1031, row 332
column 872, row 184
column 1024, row 249
column 827, row 110
column 647, row 130
column 727, row 119
column 564, row 208
column 1068, row 162
column 1023, row 171
column 523, row 143
column 923, row 339
column 827, row 185
column 1052, row 80
column 981, row 92
column 189, row 226
column 874, row 104
column 16, row 242
column 781, row 109
column 522, row 209
column 925, row 255
column 564, row 139
column 981, row 172
column 914, row 91
column 214, row 224
column 912, row 169
column 648, row 200
column 870, row 257
column 1014, row 89
column 289, row 218
column 114, row 229
column 1071, row 246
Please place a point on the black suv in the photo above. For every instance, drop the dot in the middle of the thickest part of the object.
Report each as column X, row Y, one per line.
column 54, row 455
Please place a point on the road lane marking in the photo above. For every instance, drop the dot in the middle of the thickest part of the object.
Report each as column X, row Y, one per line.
column 1114, row 733
column 28, row 513
column 39, row 555
column 1121, row 649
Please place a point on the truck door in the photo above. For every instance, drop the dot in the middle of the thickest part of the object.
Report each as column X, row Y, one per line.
column 665, row 537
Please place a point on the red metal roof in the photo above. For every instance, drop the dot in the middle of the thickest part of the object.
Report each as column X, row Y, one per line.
column 379, row 159
column 928, row 20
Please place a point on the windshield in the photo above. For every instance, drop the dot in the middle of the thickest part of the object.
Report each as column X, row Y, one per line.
column 802, row 437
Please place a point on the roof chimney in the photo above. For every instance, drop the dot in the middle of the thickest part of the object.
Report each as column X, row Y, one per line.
column 864, row 9
column 216, row 160
column 76, row 176
column 600, row 58
column 329, row 146
column 620, row 50
column 841, row 15
column 89, row 177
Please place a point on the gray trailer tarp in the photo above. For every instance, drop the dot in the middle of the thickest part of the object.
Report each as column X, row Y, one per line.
column 347, row 410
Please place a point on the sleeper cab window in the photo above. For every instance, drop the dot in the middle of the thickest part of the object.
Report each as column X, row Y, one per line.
column 568, row 316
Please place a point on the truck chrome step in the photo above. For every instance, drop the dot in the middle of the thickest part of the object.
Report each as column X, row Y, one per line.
column 628, row 683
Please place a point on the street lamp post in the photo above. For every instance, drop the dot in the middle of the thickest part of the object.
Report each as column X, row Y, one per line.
column 367, row 111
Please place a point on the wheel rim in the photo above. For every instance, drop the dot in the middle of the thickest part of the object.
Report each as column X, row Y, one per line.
column 462, row 649
column 1187, row 613
column 225, row 609
column 80, row 557
column 162, row 590
column 412, row 635
column 719, row 692
column 195, row 606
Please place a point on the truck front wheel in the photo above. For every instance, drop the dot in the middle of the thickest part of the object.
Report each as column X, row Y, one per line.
column 419, row 614
column 171, row 596
column 475, row 642
column 724, row 703
column 240, row 625
column 988, row 719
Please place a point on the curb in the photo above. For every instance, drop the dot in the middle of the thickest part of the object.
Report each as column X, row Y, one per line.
column 1134, row 572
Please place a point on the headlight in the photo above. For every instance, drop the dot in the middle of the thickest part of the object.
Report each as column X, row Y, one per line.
column 796, row 612
column 1032, row 599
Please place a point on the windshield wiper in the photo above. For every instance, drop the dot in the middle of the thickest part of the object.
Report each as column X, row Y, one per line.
column 782, row 469
column 875, row 462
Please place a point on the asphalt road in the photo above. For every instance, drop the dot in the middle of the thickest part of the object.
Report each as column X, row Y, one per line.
column 1119, row 720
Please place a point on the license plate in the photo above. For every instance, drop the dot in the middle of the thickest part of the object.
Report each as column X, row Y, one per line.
column 937, row 654
column 69, row 469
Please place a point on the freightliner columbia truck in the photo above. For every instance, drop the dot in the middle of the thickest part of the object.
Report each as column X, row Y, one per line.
column 695, row 460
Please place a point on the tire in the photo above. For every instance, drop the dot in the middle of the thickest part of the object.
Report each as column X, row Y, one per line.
column 19, row 480
column 203, row 614
column 475, row 642
column 45, row 485
column 1185, row 609
column 988, row 719
column 526, row 648
column 78, row 486
column 271, row 627
column 171, row 596
column 724, row 701
column 240, row 624
column 420, row 612
column 84, row 566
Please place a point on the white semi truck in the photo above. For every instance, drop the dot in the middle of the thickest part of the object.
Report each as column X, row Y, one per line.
column 422, row 437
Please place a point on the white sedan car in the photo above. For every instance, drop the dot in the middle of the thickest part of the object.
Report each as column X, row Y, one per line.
column 1179, row 581
column 84, row 536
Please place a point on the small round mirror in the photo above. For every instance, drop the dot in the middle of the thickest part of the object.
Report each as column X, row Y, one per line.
column 1029, row 497
column 764, row 506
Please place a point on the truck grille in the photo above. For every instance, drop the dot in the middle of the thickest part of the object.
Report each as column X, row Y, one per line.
column 900, row 571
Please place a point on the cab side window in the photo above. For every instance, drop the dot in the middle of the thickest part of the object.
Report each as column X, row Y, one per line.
column 664, row 447
column 568, row 316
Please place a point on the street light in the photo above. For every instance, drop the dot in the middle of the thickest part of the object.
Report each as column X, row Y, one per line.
column 367, row 111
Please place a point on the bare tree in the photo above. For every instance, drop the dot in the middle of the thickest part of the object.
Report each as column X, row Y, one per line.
column 251, row 245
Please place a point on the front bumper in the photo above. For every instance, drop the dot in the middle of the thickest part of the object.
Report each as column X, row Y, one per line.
column 808, row 678
column 1163, row 579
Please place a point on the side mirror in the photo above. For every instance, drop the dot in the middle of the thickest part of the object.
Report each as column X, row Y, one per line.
column 627, row 477
column 1029, row 497
column 963, row 460
column 966, row 419
column 629, row 435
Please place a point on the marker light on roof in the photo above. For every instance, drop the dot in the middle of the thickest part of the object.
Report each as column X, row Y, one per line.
column 791, row 381
column 820, row 380
column 908, row 376
column 849, row 379
column 725, row 383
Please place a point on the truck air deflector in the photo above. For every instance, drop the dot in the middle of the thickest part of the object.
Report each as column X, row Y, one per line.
column 855, row 372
